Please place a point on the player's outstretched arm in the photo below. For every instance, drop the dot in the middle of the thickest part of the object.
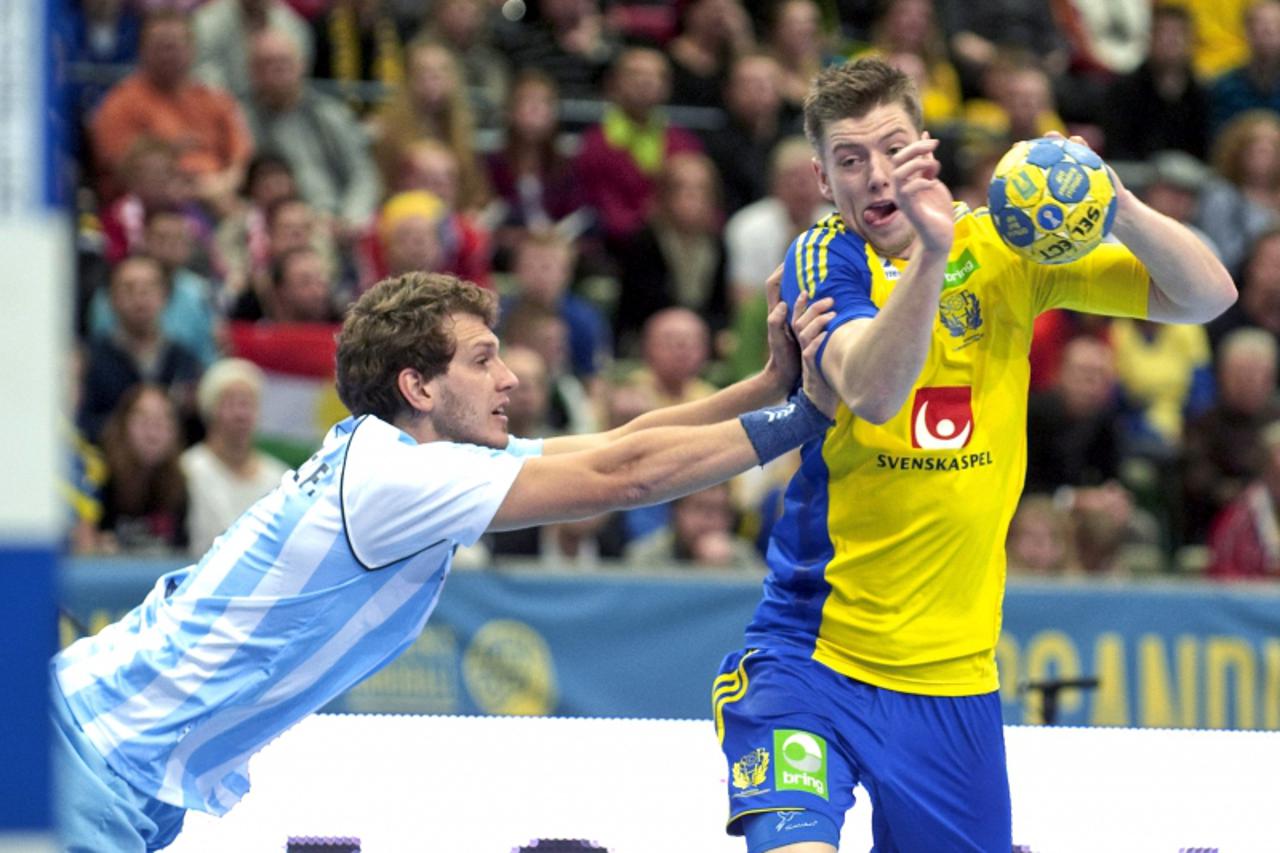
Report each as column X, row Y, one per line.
column 770, row 385
column 1188, row 282
column 662, row 463
column 873, row 363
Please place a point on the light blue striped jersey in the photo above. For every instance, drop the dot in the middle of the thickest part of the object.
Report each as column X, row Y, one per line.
column 315, row 587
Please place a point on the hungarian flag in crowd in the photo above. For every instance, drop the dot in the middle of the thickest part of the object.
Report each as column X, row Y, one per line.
column 299, row 402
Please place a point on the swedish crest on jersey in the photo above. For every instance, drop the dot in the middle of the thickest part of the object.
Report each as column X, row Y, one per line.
column 961, row 312
column 750, row 771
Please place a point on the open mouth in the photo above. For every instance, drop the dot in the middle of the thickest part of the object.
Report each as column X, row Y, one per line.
column 879, row 213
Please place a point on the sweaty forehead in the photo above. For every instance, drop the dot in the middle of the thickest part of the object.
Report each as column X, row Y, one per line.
column 470, row 331
column 879, row 122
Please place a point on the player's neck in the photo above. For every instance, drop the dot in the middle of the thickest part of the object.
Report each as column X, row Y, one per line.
column 418, row 428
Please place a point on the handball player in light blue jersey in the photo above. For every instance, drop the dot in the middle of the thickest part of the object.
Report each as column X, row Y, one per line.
column 332, row 575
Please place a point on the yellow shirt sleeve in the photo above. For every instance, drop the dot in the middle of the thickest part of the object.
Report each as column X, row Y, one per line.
column 1109, row 280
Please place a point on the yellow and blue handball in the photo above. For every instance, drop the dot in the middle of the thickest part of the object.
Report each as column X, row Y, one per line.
column 1052, row 200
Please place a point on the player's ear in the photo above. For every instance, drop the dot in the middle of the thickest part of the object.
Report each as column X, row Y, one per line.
column 417, row 392
column 821, row 174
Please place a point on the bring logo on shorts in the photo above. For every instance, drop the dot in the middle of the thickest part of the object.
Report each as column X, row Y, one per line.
column 801, row 762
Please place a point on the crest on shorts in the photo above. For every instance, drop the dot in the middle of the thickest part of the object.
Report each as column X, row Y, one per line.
column 961, row 313
column 751, row 769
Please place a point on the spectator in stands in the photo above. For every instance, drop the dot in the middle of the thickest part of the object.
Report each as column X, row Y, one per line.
column 1255, row 85
column 1220, row 42
column 224, row 31
column 1244, row 543
column 189, row 316
column 1165, row 376
column 1222, row 452
column 139, row 351
column 573, row 409
column 1259, row 303
column 542, row 272
column 1041, row 539
column 145, row 498
column 433, row 104
column 529, row 173
column 84, row 471
column 570, row 41
column 1245, row 199
column 242, row 239
column 909, row 28
column 462, row 25
column 1073, row 429
column 225, row 474
column 1159, row 105
column 328, row 153
column 756, row 122
column 757, row 237
column 433, row 167
column 1113, row 536
column 151, row 180
column 409, row 234
column 161, row 99
column 699, row 535
column 359, row 42
column 979, row 33
column 676, row 348
column 105, row 32
column 713, row 34
column 678, row 258
column 796, row 40
column 530, row 401
column 302, row 289
column 1173, row 187
column 291, row 224
column 1017, row 103
column 621, row 157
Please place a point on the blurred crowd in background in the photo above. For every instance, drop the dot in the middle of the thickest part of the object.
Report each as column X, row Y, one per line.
column 626, row 175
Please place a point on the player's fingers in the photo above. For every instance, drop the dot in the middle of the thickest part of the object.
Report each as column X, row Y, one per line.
column 814, row 311
column 773, row 287
column 919, row 166
column 778, row 316
column 917, row 186
column 810, row 350
column 921, row 148
column 818, row 326
column 813, row 323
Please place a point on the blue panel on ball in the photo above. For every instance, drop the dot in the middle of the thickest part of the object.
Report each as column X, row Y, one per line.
column 995, row 195
column 1110, row 218
column 1050, row 217
column 1044, row 153
column 1068, row 182
column 1083, row 154
column 1015, row 226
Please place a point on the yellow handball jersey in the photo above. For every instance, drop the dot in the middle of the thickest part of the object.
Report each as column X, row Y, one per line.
column 888, row 564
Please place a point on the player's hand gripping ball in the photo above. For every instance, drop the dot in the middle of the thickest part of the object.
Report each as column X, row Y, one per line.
column 1052, row 200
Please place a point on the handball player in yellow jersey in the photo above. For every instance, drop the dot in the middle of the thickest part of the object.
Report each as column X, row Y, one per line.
column 871, row 658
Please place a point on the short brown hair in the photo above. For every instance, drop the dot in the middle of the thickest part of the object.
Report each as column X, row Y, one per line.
column 402, row 322
column 854, row 89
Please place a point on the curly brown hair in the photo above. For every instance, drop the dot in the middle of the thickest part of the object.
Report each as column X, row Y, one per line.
column 854, row 89
column 402, row 322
